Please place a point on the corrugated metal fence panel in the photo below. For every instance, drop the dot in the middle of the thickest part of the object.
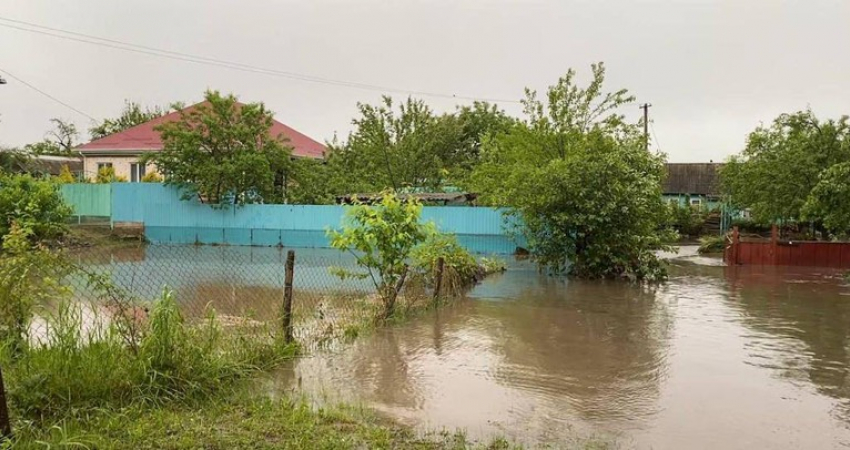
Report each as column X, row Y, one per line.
column 88, row 199
column 168, row 219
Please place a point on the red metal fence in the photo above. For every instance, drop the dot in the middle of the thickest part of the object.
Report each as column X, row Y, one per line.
column 777, row 252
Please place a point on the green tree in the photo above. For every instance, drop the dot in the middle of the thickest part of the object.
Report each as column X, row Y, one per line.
column 34, row 205
column 577, row 176
column 222, row 151
column 411, row 146
column 60, row 141
column 382, row 238
column 476, row 123
column 829, row 200
column 132, row 115
column 782, row 163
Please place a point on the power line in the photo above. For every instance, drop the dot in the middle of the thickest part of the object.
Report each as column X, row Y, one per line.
column 655, row 137
column 187, row 57
column 10, row 75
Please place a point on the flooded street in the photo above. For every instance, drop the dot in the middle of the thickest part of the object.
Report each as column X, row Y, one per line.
column 715, row 358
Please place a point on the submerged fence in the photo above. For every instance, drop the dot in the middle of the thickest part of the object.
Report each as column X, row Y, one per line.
column 238, row 285
column 778, row 252
column 168, row 219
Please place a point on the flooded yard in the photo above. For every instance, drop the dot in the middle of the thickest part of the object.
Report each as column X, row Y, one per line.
column 716, row 358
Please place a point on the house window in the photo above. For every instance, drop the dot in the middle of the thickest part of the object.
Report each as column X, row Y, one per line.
column 696, row 202
column 137, row 172
column 103, row 165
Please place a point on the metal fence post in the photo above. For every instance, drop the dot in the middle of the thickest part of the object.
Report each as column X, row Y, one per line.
column 438, row 278
column 5, row 423
column 287, row 296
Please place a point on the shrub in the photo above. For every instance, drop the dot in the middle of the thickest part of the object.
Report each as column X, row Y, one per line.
column 711, row 244
column 106, row 174
column 65, row 175
column 455, row 257
column 382, row 238
column 152, row 177
column 35, row 205
column 493, row 265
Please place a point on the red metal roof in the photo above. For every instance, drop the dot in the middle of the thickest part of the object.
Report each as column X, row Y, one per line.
column 143, row 138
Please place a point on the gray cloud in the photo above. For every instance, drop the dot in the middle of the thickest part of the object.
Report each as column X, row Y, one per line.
column 712, row 69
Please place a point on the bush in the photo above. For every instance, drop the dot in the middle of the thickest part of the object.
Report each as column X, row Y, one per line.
column 65, row 175
column 35, row 205
column 455, row 257
column 29, row 276
column 382, row 238
column 711, row 244
column 106, row 174
column 152, row 177
column 687, row 221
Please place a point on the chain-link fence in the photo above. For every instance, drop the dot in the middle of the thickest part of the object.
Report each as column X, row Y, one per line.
column 244, row 287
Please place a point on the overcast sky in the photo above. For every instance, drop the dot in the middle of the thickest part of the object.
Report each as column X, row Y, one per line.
column 713, row 70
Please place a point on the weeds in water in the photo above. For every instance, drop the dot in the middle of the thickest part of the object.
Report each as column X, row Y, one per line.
column 71, row 371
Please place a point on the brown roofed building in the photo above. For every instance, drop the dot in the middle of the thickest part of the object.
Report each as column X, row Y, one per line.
column 695, row 183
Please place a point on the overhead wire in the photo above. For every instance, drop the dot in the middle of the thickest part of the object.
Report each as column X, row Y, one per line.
column 19, row 80
column 199, row 59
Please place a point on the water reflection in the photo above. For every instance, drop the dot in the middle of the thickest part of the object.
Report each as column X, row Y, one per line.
column 801, row 324
column 559, row 355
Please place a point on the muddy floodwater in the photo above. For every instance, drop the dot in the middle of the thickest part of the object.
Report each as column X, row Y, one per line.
column 717, row 357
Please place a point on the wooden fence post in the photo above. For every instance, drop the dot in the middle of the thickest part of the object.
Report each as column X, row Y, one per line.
column 287, row 296
column 736, row 241
column 5, row 422
column 774, row 243
column 438, row 279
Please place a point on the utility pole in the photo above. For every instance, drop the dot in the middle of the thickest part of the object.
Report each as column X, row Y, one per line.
column 645, row 108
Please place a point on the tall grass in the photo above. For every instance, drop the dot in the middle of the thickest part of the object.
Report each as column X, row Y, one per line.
column 70, row 371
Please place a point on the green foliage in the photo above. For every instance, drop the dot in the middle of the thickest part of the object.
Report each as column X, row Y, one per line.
column 29, row 277
column 244, row 421
column 132, row 115
column 577, row 175
column 685, row 219
column 493, row 265
column 781, row 164
column 410, row 147
column 711, row 244
column 106, row 174
column 455, row 258
column 60, row 141
column 174, row 360
column 35, row 205
column 382, row 238
column 829, row 200
column 65, row 175
column 316, row 183
column 13, row 160
column 152, row 177
column 222, row 152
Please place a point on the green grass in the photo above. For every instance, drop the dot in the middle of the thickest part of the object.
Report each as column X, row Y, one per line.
column 240, row 421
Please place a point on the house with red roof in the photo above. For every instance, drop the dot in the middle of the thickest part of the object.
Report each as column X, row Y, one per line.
column 122, row 151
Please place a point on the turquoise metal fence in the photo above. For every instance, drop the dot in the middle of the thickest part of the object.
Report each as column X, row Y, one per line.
column 88, row 200
column 170, row 220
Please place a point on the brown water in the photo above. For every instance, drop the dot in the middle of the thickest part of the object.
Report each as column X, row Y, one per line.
column 715, row 358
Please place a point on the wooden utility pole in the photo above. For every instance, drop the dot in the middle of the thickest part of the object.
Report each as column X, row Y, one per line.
column 645, row 107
